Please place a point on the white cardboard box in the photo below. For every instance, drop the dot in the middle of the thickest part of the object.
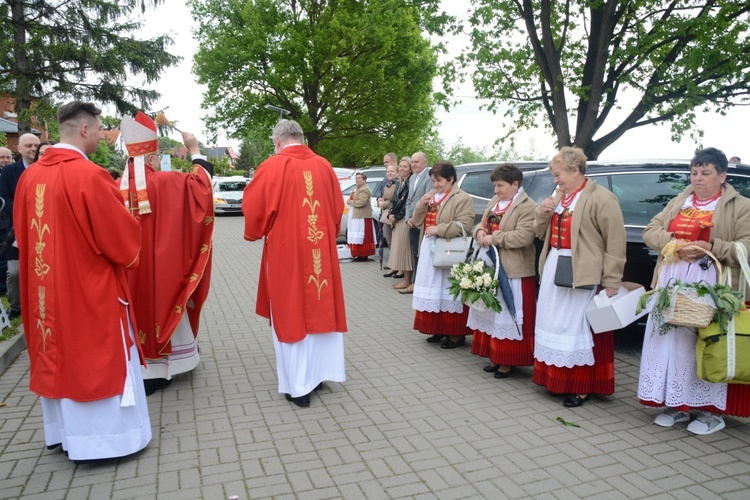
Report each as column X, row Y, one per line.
column 344, row 252
column 612, row 313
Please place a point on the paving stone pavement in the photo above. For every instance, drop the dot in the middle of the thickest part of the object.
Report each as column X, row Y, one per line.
column 411, row 421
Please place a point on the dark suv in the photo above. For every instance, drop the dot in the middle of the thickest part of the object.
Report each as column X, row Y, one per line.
column 643, row 187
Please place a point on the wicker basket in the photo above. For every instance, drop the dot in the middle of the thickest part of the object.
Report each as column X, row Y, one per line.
column 689, row 313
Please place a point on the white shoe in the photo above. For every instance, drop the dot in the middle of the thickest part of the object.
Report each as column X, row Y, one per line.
column 706, row 423
column 671, row 417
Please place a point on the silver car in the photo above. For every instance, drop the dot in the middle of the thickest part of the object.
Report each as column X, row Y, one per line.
column 228, row 194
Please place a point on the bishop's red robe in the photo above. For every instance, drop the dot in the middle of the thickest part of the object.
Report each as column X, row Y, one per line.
column 295, row 201
column 174, row 273
column 75, row 238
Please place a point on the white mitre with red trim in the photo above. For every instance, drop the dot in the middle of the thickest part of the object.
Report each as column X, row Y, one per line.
column 139, row 135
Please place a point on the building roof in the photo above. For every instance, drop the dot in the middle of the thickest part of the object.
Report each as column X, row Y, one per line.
column 219, row 152
column 8, row 127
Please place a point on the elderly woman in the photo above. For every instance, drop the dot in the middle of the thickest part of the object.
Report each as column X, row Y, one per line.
column 711, row 215
column 438, row 213
column 399, row 258
column 584, row 232
column 507, row 224
column 384, row 201
column 360, row 234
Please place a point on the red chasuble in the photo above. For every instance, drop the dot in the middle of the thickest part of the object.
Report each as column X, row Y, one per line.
column 295, row 201
column 175, row 269
column 75, row 238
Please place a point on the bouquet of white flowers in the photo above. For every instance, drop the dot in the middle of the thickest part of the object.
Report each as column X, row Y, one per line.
column 473, row 281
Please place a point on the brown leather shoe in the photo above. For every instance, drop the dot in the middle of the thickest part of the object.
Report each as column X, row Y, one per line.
column 399, row 286
column 408, row 289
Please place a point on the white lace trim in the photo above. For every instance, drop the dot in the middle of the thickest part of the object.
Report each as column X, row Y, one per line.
column 553, row 357
column 435, row 306
column 478, row 321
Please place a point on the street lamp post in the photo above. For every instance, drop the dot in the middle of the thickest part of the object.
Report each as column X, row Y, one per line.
column 276, row 109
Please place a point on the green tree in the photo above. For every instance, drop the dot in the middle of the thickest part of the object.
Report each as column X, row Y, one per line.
column 356, row 75
column 102, row 157
column 254, row 149
column 87, row 49
column 461, row 153
column 577, row 62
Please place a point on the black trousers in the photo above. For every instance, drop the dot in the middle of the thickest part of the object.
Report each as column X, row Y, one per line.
column 414, row 242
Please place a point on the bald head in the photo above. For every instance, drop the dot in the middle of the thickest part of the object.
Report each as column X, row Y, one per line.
column 418, row 162
column 6, row 156
column 27, row 145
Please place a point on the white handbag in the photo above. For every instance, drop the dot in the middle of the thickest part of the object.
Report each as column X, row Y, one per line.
column 450, row 251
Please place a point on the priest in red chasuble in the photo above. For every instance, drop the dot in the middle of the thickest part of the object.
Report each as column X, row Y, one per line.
column 295, row 201
column 170, row 286
column 76, row 239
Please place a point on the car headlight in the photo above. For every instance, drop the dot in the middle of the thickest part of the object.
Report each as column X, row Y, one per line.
column 219, row 200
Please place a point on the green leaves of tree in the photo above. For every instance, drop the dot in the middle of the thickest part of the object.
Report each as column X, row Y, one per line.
column 356, row 75
column 575, row 62
column 85, row 49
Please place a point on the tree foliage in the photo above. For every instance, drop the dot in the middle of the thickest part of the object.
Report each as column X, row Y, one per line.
column 83, row 49
column 356, row 75
column 598, row 68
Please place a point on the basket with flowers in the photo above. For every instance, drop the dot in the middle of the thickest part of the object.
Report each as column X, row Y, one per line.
column 476, row 283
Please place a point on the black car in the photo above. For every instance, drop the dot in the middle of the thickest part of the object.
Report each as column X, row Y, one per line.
column 643, row 187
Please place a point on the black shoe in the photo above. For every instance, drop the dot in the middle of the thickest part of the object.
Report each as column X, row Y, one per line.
column 54, row 446
column 155, row 384
column 435, row 338
column 574, row 400
column 390, row 275
column 319, row 387
column 499, row 374
column 491, row 368
column 398, row 276
column 302, row 401
column 452, row 344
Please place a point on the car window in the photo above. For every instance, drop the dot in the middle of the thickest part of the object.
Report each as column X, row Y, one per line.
column 740, row 183
column 478, row 184
column 370, row 184
column 643, row 195
column 232, row 186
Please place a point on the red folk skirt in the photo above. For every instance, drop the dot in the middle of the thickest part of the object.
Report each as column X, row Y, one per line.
column 442, row 323
column 367, row 247
column 738, row 402
column 508, row 352
column 596, row 379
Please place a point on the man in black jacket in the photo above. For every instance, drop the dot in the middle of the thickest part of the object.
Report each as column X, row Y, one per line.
column 27, row 145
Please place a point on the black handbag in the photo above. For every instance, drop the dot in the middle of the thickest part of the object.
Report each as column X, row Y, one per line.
column 564, row 273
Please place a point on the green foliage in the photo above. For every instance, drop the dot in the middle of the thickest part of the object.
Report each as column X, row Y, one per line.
column 167, row 144
column 575, row 62
column 3, row 140
column 92, row 49
column 102, row 157
column 254, row 149
column 460, row 153
column 356, row 75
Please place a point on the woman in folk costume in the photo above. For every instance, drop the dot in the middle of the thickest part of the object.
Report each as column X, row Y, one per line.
column 169, row 288
column 360, row 233
column 711, row 215
column 441, row 213
column 582, row 226
column 508, row 224
column 399, row 257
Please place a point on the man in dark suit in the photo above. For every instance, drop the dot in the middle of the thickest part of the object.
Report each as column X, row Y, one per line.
column 419, row 184
column 27, row 145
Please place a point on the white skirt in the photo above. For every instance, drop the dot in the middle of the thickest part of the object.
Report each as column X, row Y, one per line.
column 184, row 356
column 100, row 429
column 302, row 365
column 499, row 326
column 431, row 286
column 355, row 231
column 669, row 373
column 562, row 336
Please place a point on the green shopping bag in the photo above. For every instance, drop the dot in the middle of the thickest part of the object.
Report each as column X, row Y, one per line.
column 725, row 357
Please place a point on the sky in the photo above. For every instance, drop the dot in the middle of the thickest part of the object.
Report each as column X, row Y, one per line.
column 466, row 122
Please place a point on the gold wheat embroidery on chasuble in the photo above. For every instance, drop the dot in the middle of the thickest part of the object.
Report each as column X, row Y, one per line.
column 39, row 229
column 314, row 234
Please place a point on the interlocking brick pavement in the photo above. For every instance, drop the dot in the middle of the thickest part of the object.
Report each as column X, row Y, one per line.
column 412, row 420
